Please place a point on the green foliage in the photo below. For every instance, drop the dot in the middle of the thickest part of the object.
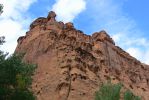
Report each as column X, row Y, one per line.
column 1, row 8
column 15, row 77
column 22, row 95
column 109, row 91
column 2, row 40
column 128, row 95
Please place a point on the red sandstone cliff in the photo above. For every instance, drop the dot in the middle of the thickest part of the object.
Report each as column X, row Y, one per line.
column 72, row 65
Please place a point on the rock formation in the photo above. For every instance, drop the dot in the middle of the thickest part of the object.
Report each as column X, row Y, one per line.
column 72, row 65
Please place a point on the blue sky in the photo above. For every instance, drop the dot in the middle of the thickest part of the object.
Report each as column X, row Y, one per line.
column 126, row 21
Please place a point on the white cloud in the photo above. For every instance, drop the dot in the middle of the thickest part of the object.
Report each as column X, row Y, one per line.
column 139, row 54
column 117, row 37
column 128, row 41
column 138, row 41
column 146, row 57
column 67, row 10
column 135, row 52
column 14, row 21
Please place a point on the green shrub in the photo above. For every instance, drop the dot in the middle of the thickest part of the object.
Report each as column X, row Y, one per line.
column 22, row 95
column 109, row 91
column 1, row 8
column 128, row 95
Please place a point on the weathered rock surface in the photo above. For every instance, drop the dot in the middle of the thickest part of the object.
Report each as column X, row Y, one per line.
column 72, row 65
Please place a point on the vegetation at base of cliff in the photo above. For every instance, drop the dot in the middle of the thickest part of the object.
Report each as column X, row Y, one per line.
column 128, row 95
column 109, row 91
column 15, row 77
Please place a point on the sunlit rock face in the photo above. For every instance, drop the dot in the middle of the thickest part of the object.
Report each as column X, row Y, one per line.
column 72, row 65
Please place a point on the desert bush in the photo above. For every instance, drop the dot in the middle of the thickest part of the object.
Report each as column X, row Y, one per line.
column 109, row 91
column 128, row 95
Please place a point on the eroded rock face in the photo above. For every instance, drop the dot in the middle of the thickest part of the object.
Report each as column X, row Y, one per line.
column 72, row 65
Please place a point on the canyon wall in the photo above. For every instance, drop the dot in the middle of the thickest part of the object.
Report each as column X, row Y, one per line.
column 72, row 65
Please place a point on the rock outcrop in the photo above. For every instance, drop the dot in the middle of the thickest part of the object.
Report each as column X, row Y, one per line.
column 72, row 65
